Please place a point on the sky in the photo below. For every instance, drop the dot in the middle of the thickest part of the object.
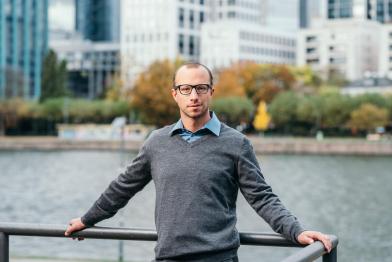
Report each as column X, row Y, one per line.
column 282, row 14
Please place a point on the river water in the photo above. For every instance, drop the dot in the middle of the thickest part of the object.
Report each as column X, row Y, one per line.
column 349, row 196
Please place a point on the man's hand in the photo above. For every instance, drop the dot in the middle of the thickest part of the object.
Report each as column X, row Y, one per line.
column 308, row 237
column 75, row 224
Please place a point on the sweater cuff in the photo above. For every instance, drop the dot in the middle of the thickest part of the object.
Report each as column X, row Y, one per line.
column 298, row 229
column 93, row 216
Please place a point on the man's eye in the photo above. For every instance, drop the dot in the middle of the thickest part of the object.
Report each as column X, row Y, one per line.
column 185, row 88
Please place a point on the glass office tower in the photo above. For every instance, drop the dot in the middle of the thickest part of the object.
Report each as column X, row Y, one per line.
column 98, row 20
column 23, row 45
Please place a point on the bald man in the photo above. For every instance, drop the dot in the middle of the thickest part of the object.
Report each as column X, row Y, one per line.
column 198, row 165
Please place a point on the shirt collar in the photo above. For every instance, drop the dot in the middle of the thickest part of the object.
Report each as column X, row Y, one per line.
column 213, row 125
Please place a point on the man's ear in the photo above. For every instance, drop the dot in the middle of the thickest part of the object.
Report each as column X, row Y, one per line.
column 212, row 90
column 174, row 94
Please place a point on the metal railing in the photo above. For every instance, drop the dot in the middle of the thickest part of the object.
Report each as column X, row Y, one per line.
column 307, row 253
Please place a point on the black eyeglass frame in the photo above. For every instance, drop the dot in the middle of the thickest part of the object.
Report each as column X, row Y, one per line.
column 198, row 91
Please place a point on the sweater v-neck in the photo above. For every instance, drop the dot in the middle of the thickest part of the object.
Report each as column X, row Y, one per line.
column 178, row 138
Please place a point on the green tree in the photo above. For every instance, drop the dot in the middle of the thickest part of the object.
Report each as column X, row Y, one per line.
column 370, row 98
column 233, row 110
column 54, row 77
column 368, row 117
column 283, row 110
column 309, row 110
column 336, row 109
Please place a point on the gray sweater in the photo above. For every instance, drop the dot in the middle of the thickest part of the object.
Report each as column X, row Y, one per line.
column 196, row 191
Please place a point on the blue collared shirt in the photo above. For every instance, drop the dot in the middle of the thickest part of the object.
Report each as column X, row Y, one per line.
column 212, row 126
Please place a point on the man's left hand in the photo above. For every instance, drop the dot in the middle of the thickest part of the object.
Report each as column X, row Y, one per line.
column 308, row 237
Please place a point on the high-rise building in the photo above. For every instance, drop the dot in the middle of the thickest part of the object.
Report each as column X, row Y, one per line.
column 159, row 29
column 380, row 10
column 350, row 46
column 98, row 20
column 383, row 11
column 228, row 42
column 91, row 66
column 23, row 45
column 303, row 13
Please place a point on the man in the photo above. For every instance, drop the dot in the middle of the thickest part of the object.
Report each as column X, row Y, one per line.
column 197, row 165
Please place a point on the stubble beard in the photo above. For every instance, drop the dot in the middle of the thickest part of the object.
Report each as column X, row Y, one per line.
column 195, row 115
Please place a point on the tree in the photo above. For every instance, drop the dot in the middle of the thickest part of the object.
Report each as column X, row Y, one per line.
column 283, row 109
column 151, row 95
column 229, row 84
column 336, row 109
column 262, row 118
column 115, row 89
column 368, row 117
column 233, row 110
column 54, row 77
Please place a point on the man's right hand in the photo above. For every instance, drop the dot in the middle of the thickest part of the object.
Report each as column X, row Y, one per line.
column 75, row 224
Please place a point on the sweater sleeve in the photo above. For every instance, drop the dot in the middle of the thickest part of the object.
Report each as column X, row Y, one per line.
column 260, row 196
column 120, row 190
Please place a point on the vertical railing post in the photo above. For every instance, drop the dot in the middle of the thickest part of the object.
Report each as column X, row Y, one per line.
column 4, row 247
column 331, row 256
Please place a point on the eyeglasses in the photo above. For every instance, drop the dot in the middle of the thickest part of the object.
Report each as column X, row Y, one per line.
column 187, row 89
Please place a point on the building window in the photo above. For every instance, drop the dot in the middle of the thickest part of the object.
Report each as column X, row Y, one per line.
column 181, row 43
column 191, row 45
column 181, row 17
column 201, row 2
column 201, row 17
column 191, row 19
column 231, row 14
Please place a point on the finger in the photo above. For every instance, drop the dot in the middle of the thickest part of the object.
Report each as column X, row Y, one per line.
column 308, row 240
column 327, row 243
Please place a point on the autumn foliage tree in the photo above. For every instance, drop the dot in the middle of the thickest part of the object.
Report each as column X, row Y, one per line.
column 368, row 117
column 255, row 81
column 262, row 118
column 151, row 95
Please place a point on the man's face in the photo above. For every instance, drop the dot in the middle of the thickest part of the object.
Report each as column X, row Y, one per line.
column 193, row 105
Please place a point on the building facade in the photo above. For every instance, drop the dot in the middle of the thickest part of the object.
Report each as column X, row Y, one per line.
column 228, row 42
column 91, row 66
column 23, row 45
column 98, row 20
column 379, row 10
column 348, row 45
column 159, row 29
column 385, row 66
column 193, row 29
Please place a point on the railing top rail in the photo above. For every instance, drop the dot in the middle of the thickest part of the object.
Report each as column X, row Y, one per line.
column 52, row 230
column 309, row 253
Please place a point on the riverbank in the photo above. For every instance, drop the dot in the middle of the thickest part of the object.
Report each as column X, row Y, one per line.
column 262, row 145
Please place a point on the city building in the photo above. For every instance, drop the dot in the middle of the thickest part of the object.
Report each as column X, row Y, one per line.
column 379, row 10
column 91, row 65
column 355, row 37
column 156, row 29
column 350, row 46
column 385, row 66
column 309, row 13
column 23, row 45
column 381, row 86
column 227, row 42
column 98, row 20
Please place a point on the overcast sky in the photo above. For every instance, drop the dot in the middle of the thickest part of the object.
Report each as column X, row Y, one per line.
column 281, row 14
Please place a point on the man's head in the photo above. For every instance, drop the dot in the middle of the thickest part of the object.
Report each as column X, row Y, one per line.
column 192, row 90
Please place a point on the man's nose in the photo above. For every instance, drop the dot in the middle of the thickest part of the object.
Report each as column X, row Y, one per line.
column 194, row 95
